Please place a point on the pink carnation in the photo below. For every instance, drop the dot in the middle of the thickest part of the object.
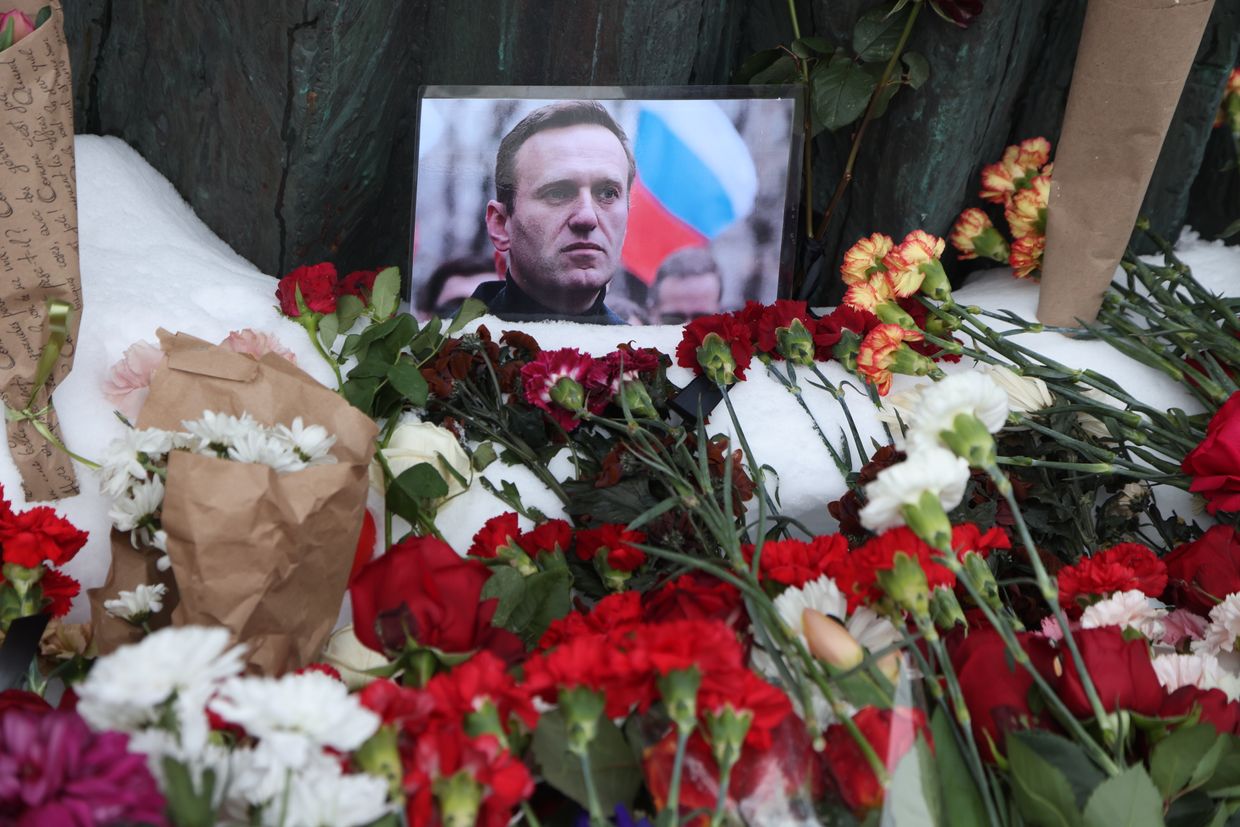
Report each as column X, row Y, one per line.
column 129, row 381
column 256, row 343
column 540, row 376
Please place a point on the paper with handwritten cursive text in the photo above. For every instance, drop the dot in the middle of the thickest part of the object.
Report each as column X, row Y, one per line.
column 38, row 238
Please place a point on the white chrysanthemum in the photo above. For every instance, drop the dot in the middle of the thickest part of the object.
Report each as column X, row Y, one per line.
column 265, row 449
column 326, row 797
column 137, row 504
column 297, row 714
column 972, row 393
column 144, row 601
column 121, row 463
column 1224, row 626
column 312, row 442
column 1091, row 424
column 1127, row 610
column 218, row 431
column 1026, row 394
column 823, row 595
column 1200, row 670
column 126, row 689
column 932, row 469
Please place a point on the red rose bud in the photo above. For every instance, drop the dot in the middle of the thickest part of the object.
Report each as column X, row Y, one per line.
column 311, row 289
column 1201, row 573
column 795, row 343
column 715, row 357
column 1214, row 465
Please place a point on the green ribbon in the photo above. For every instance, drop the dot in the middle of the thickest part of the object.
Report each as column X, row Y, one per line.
column 57, row 321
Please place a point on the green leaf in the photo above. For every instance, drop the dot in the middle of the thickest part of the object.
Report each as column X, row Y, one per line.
column 917, row 69
column 783, row 70
column 1209, row 763
column 840, row 90
column 617, row 776
column 482, row 456
column 360, row 392
column 819, row 44
column 1130, row 799
column 877, row 33
column 413, row 491
column 888, row 92
column 1083, row 774
column 1176, row 757
column 1232, row 229
column 469, row 310
column 329, row 329
column 385, row 296
column 1227, row 774
column 527, row 605
column 1195, row 809
column 408, row 381
column 349, row 309
column 1043, row 795
column 959, row 791
column 755, row 63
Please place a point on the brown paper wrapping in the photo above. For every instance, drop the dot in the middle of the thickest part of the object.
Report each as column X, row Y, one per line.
column 266, row 555
column 38, row 236
column 1133, row 60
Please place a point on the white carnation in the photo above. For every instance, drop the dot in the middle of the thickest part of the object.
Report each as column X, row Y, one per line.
column 972, row 393
column 1224, row 626
column 326, row 797
column 1127, row 610
column 1200, row 670
column 932, row 469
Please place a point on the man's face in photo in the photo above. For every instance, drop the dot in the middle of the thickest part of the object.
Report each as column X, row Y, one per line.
column 570, row 211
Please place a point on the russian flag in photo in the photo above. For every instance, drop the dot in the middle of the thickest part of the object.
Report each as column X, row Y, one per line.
column 695, row 178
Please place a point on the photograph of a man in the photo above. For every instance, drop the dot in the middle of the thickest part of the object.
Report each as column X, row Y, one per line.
column 560, row 213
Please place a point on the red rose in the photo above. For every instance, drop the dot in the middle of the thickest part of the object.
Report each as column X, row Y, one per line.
column 1214, row 465
column 1216, row 710
column 1121, row 568
column 1121, row 671
column 318, row 289
column 29, row 538
column 1203, row 572
column 360, row 283
column 421, row 592
column 365, row 544
column 995, row 689
column 695, row 596
column 892, row 733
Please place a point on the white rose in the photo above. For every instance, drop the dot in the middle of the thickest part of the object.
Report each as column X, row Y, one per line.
column 351, row 659
column 416, row 442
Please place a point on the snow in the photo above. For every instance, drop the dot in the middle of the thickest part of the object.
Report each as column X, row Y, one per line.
column 149, row 262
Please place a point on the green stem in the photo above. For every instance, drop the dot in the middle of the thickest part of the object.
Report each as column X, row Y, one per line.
column 846, row 178
column 721, row 799
column 838, row 393
column 312, row 327
column 845, row 468
column 597, row 818
column 678, row 766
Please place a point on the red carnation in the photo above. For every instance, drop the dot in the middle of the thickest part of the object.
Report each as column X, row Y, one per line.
column 614, row 615
column 729, row 328
column 695, row 596
column 879, row 555
column 422, row 593
column 742, row 689
column 777, row 315
column 58, row 590
column 613, row 541
column 565, row 382
column 317, row 284
column 497, row 532
column 1120, row 568
column 619, row 669
column 484, row 677
column 968, row 537
column 796, row 562
column 546, row 537
column 31, row 537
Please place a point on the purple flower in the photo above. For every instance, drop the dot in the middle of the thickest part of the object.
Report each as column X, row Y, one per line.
column 55, row 771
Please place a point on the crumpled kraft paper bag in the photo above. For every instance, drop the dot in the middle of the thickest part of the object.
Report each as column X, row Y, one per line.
column 1130, row 70
column 266, row 555
column 38, row 236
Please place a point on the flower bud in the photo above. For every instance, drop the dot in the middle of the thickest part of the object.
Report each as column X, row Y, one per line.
column 905, row 583
column 979, row 575
column 795, row 343
column 829, row 640
column 637, row 398
column 679, row 690
column 459, row 797
column 582, row 707
column 715, row 357
column 568, row 394
column 14, row 26
column 945, row 609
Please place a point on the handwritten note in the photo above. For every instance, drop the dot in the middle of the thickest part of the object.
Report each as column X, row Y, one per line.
column 38, row 241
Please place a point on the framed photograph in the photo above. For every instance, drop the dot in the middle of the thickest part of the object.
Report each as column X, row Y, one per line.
column 604, row 205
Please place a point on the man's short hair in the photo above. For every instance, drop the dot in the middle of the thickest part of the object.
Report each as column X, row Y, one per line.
column 428, row 296
column 553, row 116
column 686, row 262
